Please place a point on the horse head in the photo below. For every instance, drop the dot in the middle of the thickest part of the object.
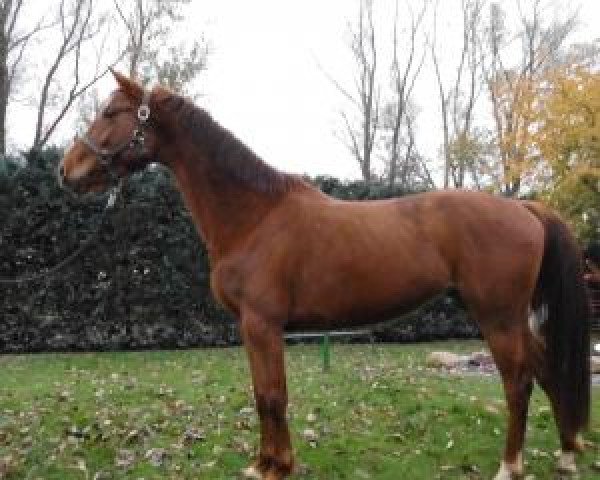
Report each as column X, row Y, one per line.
column 120, row 140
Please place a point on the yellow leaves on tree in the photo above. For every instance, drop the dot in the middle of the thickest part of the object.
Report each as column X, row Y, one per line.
column 513, row 97
column 565, row 145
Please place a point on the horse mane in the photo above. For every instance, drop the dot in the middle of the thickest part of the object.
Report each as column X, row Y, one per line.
column 229, row 156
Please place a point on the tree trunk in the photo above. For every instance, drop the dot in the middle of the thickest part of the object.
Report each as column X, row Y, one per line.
column 4, row 79
column 4, row 93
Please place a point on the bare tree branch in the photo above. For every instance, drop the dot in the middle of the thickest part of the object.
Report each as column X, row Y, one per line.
column 366, row 98
column 443, row 101
column 68, row 33
column 457, row 104
column 13, row 45
column 403, row 79
column 510, row 88
column 77, row 28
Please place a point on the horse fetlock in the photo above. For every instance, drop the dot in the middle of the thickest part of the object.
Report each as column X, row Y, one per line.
column 580, row 443
column 271, row 475
column 280, row 467
column 277, row 474
column 267, row 467
column 252, row 472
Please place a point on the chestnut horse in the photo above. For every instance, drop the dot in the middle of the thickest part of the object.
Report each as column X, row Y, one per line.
column 286, row 256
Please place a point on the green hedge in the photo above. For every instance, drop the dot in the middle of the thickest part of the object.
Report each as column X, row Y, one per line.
column 144, row 280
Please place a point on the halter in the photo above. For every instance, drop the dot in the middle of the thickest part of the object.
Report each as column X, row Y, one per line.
column 106, row 156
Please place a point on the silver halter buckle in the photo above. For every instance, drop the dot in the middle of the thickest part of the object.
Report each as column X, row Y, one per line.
column 143, row 113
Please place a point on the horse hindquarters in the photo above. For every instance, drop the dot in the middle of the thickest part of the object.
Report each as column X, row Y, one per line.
column 554, row 347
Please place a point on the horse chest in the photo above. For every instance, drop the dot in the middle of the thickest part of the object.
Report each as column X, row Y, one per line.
column 226, row 286
column 236, row 283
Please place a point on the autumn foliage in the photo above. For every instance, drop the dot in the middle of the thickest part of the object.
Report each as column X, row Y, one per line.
column 564, row 150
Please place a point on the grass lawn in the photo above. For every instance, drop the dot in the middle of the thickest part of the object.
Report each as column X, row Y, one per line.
column 378, row 414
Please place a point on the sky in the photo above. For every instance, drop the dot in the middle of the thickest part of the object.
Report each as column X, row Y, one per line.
column 268, row 77
column 268, row 82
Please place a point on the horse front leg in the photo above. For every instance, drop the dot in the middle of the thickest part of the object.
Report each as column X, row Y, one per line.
column 263, row 340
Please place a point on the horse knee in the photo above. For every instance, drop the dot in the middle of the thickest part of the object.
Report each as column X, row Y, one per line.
column 271, row 407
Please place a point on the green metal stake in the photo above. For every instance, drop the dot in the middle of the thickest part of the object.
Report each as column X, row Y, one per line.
column 326, row 353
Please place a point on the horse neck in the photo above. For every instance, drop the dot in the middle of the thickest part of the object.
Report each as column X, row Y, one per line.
column 224, row 210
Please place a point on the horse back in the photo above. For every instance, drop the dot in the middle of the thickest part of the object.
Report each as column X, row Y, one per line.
column 320, row 262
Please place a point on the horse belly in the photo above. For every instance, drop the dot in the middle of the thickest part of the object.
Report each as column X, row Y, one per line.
column 358, row 298
column 349, row 316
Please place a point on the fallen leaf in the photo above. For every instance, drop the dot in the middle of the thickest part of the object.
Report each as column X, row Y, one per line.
column 124, row 458
column 156, row 456
column 310, row 436
column 192, row 435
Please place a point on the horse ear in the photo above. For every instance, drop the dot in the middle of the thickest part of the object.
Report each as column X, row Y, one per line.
column 127, row 85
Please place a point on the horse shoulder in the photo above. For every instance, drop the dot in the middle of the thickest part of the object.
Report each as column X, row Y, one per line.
column 255, row 271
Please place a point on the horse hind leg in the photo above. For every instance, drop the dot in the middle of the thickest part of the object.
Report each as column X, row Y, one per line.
column 518, row 391
column 508, row 343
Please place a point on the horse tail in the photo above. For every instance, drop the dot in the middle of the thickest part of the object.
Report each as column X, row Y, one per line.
column 562, row 291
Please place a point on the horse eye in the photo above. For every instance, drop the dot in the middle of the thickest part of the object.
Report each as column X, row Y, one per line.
column 109, row 112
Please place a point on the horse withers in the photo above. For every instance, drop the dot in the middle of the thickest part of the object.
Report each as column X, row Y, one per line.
column 285, row 256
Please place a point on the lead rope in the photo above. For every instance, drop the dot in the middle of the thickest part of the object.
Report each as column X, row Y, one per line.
column 110, row 203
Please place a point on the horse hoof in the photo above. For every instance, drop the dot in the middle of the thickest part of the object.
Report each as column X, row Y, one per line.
column 506, row 473
column 273, row 476
column 252, row 473
column 566, row 463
